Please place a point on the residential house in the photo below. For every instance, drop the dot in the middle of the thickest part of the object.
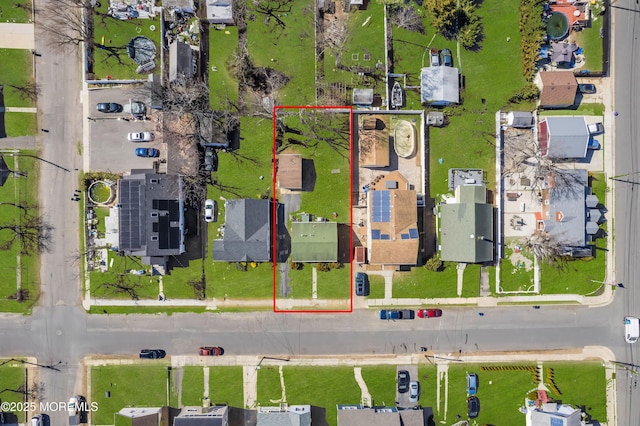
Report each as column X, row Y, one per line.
column 181, row 61
column 151, row 217
column 141, row 416
column 247, row 232
column 565, row 207
column 520, row 119
column 563, row 137
column 392, row 228
column 290, row 171
column 314, row 241
column 220, row 12
column 357, row 415
column 439, row 86
column 373, row 140
column 466, row 226
column 554, row 414
column 558, row 89
column 362, row 97
column 285, row 415
column 199, row 416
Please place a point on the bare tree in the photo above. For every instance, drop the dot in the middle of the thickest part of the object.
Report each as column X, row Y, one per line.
column 24, row 206
column 33, row 233
column 546, row 248
column 272, row 9
column 317, row 127
column 199, row 287
column 27, row 90
column 121, row 285
column 26, row 6
column 68, row 24
column 406, row 17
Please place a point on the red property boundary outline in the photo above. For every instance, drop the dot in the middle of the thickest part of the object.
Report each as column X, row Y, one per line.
column 274, row 206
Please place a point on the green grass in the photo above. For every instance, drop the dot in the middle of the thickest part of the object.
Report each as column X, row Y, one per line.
column 423, row 283
column 21, row 191
column 116, row 35
column 10, row 13
column 515, row 277
column 376, row 287
column 226, row 280
column 589, row 39
column 491, row 74
column 16, row 68
column 192, row 386
column 582, row 109
column 226, row 386
column 12, row 379
column 334, row 284
column 380, row 380
column 321, row 387
column 289, row 50
column 20, row 124
column 581, row 384
column 222, row 82
column 125, row 384
column 126, row 310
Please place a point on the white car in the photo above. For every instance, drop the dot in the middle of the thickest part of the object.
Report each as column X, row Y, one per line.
column 73, row 406
column 414, row 391
column 208, row 211
column 595, row 128
column 140, row 136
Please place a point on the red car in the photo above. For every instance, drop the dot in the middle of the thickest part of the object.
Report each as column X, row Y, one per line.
column 429, row 313
column 210, row 351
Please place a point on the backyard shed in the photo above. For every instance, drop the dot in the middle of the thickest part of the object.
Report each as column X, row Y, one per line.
column 290, row 171
column 520, row 119
column 220, row 12
column 181, row 61
column 439, row 86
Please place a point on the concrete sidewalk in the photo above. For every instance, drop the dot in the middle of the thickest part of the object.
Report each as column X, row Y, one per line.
column 17, row 36
column 19, row 142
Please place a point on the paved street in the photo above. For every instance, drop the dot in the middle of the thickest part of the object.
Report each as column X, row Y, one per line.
column 60, row 333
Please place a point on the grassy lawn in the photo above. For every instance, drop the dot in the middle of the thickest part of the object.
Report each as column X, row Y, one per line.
column 582, row 109
column 12, row 379
column 589, row 39
column 469, row 140
column 331, row 386
column 225, row 386
column 16, row 69
column 365, row 37
column 376, row 287
column 423, row 283
column 516, row 277
column 228, row 280
column 125, row 310
column 124, row 383
column 20, row 124
column 289, row 49
column 334, row 284
column 10, row 13
column 222, row 83
column 21, row 191
column 116, row 35
column 192, row 386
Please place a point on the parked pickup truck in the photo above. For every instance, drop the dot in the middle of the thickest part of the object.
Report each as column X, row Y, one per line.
column 405, row 314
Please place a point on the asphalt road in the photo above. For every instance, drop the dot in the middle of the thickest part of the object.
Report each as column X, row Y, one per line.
column 60, row 333
column 626, row 62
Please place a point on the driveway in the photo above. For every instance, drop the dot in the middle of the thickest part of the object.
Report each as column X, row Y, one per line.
column 107, row 146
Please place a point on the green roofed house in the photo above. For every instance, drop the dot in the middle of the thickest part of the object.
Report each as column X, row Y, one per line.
column 466, row 226
column 314, row 241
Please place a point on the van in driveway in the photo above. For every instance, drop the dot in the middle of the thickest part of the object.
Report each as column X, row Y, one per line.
column 631, row 329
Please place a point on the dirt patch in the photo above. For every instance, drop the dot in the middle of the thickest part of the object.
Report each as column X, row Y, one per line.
column 518, row 259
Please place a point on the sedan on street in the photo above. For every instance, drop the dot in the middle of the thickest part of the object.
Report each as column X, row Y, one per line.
column 140, row 136
column 210, row 351
column 147, row 152
column 389, row 314
column 429, row 313
column 152, row 353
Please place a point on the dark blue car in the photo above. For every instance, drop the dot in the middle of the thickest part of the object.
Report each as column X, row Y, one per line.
column 147, row 152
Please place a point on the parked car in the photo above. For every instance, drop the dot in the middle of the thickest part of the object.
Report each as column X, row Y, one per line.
column 434, row 56
column 109, row 107
column 472, row 383
column 429, row 313
column 137, row 109
column 140, row 136
column 587, row 89
column 210, row 159
column 210, row 351
column 473, row 407
column 595, row 128
column 414, row 391
column 37, row 420
column 147, row 152
column 388, row 314
column 76, row 405
column 403, row 381
column 152, row 354
column 362, row 284
column 447, row 58
column 208, row 211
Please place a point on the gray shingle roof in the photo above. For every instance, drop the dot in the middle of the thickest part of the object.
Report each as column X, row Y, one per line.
column 247, row 233
column 568, row 137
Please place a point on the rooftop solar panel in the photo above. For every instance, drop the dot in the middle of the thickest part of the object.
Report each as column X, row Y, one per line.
column 404, row 236
column 381, row 209
column 413, row 233
column 375, row 234
column 385, row 237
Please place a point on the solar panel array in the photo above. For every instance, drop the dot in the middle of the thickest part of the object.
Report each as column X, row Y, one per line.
column 381, row 206
column 130, row 221
column 377, row 235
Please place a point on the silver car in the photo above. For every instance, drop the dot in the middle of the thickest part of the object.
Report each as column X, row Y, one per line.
column 140, row 136
column 414, row 391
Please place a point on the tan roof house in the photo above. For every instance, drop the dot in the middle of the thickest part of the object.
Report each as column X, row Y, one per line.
column 558, row 89
column 393, row 237
column 373, row 140
column 290, row 171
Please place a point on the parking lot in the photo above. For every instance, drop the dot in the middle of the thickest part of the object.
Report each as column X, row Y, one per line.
column 106, row 147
